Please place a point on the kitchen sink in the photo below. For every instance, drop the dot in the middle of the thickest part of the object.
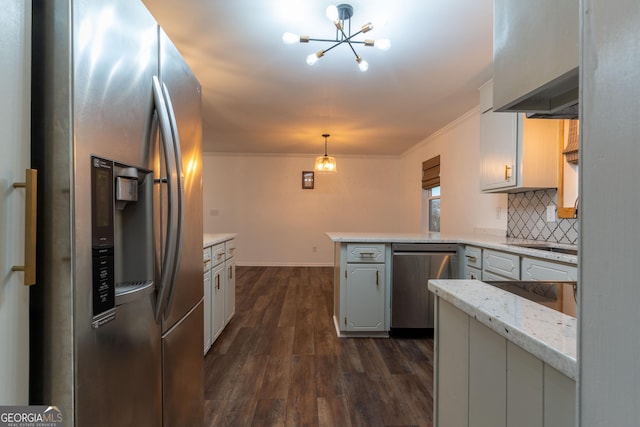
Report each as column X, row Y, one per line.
column 549, row 247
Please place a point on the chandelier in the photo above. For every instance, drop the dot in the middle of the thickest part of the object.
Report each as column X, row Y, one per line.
column 340, row 15
column 325, row 164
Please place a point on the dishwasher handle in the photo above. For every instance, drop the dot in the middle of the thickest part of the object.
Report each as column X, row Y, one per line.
column 424, row 247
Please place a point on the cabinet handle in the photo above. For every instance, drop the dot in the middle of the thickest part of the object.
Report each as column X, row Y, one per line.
column 217, row 281
column 367, row 254
column 507, row 172
column 230, row 272
column 377, row 278
column 472, row 258
column 30, row 220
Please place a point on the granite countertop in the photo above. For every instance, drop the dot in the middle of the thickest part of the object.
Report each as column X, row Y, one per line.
column 210, row 239
column 547, row 334
column 488, row 241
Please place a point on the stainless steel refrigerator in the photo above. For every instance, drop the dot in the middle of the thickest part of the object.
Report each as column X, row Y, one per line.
column 117, row 313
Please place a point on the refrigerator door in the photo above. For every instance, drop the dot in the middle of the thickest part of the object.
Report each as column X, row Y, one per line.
column 183, row 315
column 184, row 96
column 118, row 379
column 94, row 62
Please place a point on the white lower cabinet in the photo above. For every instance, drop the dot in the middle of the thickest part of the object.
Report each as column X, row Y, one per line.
column 365, row 297
column 217, row 301
column 230, row 290
column 362, row 289
column 537, row 269
column 219, row 289
column 207, row 311
column 498, row 265
column 207, row 298
column 483, row 379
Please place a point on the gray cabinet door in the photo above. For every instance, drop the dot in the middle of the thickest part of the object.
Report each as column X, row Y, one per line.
column 487, row 377
column 451, row 366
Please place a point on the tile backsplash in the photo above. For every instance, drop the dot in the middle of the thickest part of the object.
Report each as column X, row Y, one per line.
column 527, row 214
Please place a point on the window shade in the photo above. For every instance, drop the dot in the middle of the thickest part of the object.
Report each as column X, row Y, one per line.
column 431, row 173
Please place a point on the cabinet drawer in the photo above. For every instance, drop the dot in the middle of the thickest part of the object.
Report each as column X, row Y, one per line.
column 471, row 273
column 206, row 254
column 504, row 264
column 537, row 269
column 367, row 252
column 473, row 256
column 230, row 248
column 217, row 254
column 489, row 276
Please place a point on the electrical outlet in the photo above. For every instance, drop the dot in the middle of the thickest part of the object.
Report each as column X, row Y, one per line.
column 551, row 213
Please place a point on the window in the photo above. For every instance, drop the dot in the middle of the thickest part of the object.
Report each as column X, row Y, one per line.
column 431, row 194
column 433, row 198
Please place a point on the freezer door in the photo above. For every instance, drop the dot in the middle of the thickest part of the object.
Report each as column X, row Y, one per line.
column 183, row 101
column 182, row 371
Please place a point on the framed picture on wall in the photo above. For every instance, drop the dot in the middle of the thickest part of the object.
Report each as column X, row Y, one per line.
column 307, row 180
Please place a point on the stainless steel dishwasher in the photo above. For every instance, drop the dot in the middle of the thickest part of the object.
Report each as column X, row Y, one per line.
column 413, row 265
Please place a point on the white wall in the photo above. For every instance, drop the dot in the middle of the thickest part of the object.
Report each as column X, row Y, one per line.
column 260, row 197
column 463, row 207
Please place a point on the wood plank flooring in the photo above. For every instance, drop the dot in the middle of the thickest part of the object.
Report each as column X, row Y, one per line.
column 280, row 363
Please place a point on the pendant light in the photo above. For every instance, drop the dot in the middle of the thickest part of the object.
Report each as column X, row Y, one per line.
column 325, row 164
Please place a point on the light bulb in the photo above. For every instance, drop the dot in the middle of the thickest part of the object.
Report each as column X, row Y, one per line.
column 290, row 38
column 379, row 21
column 382, row 44
column 362, row 64
column 313, row 58
column 332, row 13
column 366, row 27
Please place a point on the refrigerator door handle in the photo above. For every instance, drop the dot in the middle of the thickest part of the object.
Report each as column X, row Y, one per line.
column 168, row 257
column 180, row 195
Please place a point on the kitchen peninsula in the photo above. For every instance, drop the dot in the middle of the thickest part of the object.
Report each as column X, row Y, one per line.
column 490, row 340
column 504, row 357
column 363, row 271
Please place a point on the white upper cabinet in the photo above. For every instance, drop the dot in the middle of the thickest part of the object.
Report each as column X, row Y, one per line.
column 535, row 55
column 517, row 154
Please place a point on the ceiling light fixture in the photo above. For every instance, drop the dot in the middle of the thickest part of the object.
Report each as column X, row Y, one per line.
column 340, row 15
column 325, row 164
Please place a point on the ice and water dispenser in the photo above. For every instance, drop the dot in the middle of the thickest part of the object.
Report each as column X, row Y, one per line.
column 122, row 236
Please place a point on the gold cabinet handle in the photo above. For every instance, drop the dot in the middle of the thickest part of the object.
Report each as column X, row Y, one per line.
column 507, row 172
column 30, row 217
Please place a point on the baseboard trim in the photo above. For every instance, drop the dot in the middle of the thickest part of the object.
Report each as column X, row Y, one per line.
column 283, row 264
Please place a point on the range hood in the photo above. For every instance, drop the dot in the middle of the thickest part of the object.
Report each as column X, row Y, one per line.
column 555, row 100
column 535, row 58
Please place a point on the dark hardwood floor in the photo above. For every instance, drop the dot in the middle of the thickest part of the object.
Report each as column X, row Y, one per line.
column 280, row 363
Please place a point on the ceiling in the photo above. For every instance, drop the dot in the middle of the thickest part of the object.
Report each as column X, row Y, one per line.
column 260, row 96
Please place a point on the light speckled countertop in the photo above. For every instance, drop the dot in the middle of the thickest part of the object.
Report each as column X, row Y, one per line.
column 210, row 239
column 499, row 243
column 543, row 332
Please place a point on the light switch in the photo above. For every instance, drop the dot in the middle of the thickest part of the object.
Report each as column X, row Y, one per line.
column 551, row 213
